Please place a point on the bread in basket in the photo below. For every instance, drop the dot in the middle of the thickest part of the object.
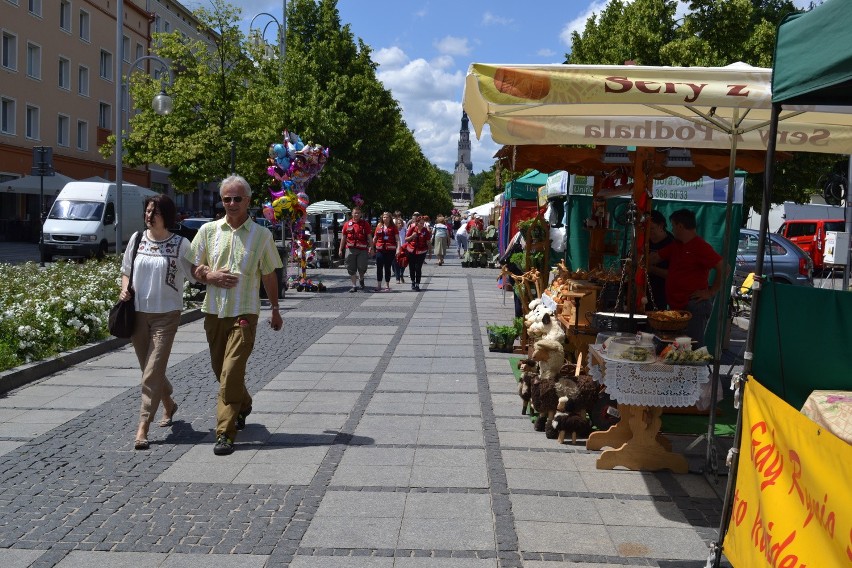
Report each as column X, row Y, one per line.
column 669, row 320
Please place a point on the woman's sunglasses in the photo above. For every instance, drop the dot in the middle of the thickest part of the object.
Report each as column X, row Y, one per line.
column 237, row 199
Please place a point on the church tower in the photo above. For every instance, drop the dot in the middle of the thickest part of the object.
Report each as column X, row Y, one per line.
column 462, row 195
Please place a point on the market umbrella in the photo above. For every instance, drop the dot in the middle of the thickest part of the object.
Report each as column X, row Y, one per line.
column 31, row 185
column 324, row 207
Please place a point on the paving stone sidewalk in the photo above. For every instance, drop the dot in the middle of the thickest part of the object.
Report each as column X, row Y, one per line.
column 384, row 434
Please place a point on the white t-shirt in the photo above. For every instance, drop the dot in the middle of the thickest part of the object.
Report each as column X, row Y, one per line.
column 158, row 273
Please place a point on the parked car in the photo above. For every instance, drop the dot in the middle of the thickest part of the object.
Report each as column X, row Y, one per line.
column 276, row 228
column 785, row 262
column 189, row 227
column 809, row 235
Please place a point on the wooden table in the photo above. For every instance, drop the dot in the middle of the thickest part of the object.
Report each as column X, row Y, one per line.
column 642, row 390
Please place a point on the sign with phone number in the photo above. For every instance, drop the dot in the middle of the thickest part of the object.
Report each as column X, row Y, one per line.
column 706, row 190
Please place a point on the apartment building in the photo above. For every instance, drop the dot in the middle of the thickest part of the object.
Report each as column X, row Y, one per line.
column 57, row 89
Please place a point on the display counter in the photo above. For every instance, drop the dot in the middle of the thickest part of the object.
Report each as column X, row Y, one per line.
column 642, row 391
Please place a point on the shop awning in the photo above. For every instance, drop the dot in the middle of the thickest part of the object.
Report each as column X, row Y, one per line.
column 821, row 73
column 629, row 105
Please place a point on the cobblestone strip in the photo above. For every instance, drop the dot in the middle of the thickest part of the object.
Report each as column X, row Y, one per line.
column 504, row 520
column 397, row 553
column 288, row 546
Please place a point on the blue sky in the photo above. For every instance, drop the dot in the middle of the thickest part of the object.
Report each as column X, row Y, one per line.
column 424, row 47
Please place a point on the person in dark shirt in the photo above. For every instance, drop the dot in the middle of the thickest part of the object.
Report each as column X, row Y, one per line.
column 659, row 238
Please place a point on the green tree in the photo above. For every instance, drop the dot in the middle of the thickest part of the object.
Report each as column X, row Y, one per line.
column 219, row 94
column 712, row 33
column 241, row 93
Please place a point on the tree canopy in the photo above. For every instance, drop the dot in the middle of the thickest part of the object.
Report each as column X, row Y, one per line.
column 237, row 93
column 712, row 33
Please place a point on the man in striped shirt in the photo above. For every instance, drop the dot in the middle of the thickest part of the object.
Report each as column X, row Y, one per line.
column 234, row 255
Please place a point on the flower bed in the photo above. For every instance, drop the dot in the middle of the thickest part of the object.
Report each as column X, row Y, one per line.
column 45, row 311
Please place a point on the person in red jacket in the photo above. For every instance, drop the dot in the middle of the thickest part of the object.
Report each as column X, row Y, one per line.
column 417, row 239
column 386, row 244
column 356, row 239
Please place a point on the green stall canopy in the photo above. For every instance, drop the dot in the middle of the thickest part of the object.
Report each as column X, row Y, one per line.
column 813, row 57
column 526, row 186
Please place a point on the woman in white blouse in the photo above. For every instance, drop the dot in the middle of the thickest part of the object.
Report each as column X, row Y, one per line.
column 159, row 272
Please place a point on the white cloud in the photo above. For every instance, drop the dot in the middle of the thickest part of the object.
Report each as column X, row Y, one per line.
column 450, row 45
column 546, row 52
column 429, row 93
column 489, row 19
column 390, row 57
column 578, row 24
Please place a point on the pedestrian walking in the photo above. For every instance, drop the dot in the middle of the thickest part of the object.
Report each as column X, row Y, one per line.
column 157, row 259
column 356, row 240
column 440, row 239
column 386, row 244
column 461, row 239
column 399, row 270
column 233, row 257
column 417, row 237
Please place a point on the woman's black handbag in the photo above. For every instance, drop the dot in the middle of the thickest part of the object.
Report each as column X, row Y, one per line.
column 122, row 316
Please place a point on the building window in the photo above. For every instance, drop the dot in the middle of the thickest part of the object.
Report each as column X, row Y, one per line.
column 106, row 65
column 156, row 23
column 167, row 26
column 10, row 51
column 83, row 81
column 7, row 116
column 105, row 116
column 34, row 61
column 63, row 131
column 65, row 15
column 125, row 49
column 35, row 7
column 139, row 51
column 84, row 25
column 64, row 74
column 82, row 135
column 33, row 123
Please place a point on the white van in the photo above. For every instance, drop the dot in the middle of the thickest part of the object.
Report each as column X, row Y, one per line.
column 82, row 221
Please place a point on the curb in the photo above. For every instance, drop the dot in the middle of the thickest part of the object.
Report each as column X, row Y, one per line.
column 31, row 372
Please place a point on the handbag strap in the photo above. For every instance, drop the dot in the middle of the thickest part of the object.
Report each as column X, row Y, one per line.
column 133, row 259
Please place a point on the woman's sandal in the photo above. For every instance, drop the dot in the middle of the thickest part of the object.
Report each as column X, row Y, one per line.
column 168, row 420
column 141, row 442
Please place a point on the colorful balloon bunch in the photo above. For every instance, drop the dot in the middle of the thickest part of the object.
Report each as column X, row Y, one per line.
column 293, row 164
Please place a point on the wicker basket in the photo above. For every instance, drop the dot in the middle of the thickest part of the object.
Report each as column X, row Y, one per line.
column 678, row 323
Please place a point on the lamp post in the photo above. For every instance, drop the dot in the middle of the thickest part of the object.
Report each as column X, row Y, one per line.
column 162, row 105
column 282, row 33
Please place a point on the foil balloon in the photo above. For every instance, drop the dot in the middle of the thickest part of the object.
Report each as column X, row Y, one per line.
column 269, row 212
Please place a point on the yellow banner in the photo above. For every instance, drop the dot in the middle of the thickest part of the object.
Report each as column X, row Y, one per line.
column 792, row 505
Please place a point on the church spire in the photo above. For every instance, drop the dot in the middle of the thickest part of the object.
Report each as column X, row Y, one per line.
column 464, row 167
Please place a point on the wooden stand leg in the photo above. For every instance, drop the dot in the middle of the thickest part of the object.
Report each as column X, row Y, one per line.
column 642, row 451
column 616, row 435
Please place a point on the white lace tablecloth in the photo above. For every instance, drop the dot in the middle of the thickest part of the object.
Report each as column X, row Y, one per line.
column 650, row 384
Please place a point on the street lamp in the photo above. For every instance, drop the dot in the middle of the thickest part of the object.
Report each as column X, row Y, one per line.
column 282, row 33
column 162, row 105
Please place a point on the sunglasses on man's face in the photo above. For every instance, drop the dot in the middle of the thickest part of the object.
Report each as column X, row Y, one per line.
column 236, row 199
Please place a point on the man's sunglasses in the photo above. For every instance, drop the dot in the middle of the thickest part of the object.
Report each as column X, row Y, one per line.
column 236, row 199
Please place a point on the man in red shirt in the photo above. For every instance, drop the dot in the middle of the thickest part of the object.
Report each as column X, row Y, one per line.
column 356, row 238
column 690, row 259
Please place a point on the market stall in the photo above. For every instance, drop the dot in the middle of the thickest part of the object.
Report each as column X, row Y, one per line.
column 813, row 72
column 660, row 110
